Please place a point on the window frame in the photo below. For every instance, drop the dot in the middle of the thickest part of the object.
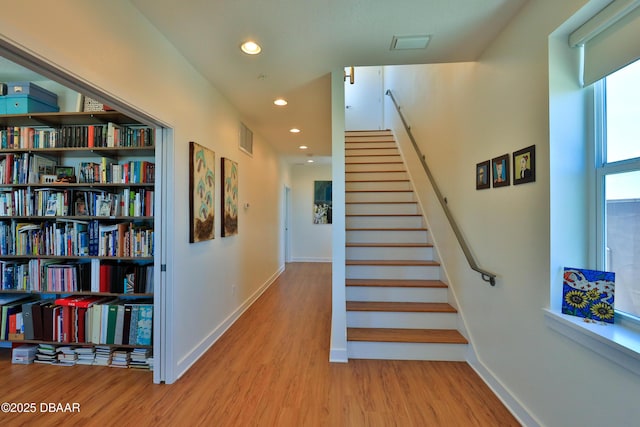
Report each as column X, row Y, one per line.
column 602, row 169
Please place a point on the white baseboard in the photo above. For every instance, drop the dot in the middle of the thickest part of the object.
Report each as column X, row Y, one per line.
column 187, row 361
column 516, row 408
column 338, row 355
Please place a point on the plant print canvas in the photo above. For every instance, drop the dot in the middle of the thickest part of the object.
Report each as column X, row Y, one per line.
column 201, row 193
column 229, row 197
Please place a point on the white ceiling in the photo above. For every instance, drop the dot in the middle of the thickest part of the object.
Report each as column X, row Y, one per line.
column 303, row 41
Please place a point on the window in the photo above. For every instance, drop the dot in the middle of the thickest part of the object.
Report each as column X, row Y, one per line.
column 618, row 183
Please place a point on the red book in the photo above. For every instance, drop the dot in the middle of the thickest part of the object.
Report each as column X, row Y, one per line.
column 91, row 135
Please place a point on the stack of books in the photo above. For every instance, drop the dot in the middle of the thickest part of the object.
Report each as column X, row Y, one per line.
column 141, row 358
column 47, row 354
column 120, row 359
column 66, row 356
column 86, row 355
column 103, row 355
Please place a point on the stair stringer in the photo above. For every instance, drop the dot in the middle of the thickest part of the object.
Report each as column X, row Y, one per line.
column 404, row 146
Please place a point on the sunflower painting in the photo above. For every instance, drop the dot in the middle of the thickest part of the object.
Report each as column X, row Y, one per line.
column 201, row 193
column 588, row 294
column 229, row 197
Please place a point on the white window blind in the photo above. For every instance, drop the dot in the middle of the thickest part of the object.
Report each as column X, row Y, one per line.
column 611, row 39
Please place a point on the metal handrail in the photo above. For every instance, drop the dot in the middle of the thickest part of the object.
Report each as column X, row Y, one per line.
column 486, row 276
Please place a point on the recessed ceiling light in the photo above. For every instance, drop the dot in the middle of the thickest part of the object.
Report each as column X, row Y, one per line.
column 303, row 147
column 280, row 102
column 310, row 161
column 294, row 130
column 250, row 47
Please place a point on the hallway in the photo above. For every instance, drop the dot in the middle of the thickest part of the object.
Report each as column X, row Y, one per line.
column 269, row 369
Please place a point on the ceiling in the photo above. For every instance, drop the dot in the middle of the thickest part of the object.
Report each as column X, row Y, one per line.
column 303, row 41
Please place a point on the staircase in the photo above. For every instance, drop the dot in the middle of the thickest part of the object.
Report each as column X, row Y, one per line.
column 397, row 307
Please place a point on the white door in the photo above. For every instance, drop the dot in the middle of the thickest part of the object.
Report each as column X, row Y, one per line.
column 363, row 100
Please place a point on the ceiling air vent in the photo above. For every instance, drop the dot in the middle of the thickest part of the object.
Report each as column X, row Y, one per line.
column 410, row 42
column 246, row 139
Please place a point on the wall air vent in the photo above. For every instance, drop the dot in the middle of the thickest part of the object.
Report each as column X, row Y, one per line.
column 410, row 42
column 246, row 139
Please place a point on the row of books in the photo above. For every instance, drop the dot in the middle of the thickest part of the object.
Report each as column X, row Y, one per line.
column 66, row 355
column 107, row 135
column 78, row 319
column 68, row 237
column 46, row 275
column 76, row 202
column 106, row 172
column 26, row 168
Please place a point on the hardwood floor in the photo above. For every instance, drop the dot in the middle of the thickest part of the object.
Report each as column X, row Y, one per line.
column 271, row 368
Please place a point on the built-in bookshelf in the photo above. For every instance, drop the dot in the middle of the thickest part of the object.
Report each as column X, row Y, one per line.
column 77, row 193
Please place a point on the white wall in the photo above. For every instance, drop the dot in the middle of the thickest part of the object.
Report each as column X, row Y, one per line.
column 111, row 46
column 309, row 242
column 462, row 114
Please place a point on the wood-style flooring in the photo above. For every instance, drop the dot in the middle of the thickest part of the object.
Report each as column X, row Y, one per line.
column 270, row 368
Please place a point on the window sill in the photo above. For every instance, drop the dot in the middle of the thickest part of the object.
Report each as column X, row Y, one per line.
column 619, row 342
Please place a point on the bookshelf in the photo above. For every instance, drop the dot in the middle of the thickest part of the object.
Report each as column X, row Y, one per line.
column 77, row 194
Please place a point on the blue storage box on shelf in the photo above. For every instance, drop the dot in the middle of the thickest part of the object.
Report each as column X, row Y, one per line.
column 32, row 90
column 27, row 97
column 21, row 104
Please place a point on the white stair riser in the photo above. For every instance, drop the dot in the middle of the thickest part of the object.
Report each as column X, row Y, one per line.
column 392, row 272
column 390, row 253
column 384, row 222
column 382, row 208
column 406, row 351
column 367, row 145
column 396, row 236
column 363, row 176
column 379, row 185
column 373, row 151
column 375, row 160
column 365, row 137
column 377, row 319
column 374, row 167
column 392, row 196
column 388, row 294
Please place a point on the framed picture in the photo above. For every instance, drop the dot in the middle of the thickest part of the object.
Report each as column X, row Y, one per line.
column 322, row 202
column 65, row 173
column 524, row 165
column 483, row 175
column 589, row 294
column 201, row 193
column 500, row 171
column 229, row 197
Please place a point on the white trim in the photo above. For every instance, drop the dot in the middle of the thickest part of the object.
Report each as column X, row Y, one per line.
column 620, row 342
column 338, row 355
column 198, row 351
column 517, row 409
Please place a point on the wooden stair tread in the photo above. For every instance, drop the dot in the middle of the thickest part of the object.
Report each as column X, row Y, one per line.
column 380, row 203
column 401, row 307
column 396, row 283
column 373, row 163
column 384, row 214
column 386, row 229
column 391, row 262
column 388, row 245
column 376, row 180
column 378, row 191
column 427, row 336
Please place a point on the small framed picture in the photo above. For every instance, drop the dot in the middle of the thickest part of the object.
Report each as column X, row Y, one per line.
column 500, row 171
column 81, row 208
column 524, row 165
column 65, row 174
column 483, row 175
